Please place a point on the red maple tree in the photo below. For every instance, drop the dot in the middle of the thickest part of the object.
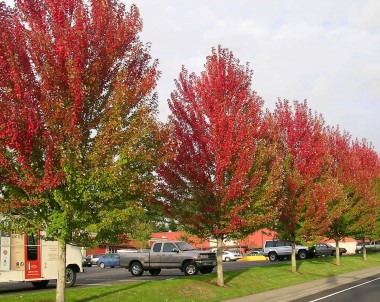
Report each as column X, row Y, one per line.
column 337, row 209
column 306, row 160
column 364, row 171
column 213, row 180
column 77, row 116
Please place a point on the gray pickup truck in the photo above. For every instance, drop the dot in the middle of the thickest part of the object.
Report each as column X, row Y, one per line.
column 279, row 250
column 169, row 254
column 370, row 246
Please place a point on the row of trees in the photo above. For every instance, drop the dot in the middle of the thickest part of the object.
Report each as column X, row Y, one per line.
column 82, row 151
column 234, row 168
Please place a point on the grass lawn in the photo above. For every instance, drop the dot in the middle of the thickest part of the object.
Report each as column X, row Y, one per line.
column 203, row 288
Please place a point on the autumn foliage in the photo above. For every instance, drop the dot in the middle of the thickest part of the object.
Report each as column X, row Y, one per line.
column 75, row 84
column 216, row 125
column 365, row 167
column 78, row 132
column 217, row 142
column 305, row 166
column 79, row 139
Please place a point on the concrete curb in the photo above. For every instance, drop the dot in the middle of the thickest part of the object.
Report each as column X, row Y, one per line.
column 309, row 288
column 253, row 258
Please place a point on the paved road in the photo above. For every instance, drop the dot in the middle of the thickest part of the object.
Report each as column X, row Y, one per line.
column 95, row 276
column 365, row 290
column 355, row 284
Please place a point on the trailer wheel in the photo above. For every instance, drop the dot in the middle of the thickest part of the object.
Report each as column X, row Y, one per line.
column 136, row 269
column 40, row 284
column 71, row 276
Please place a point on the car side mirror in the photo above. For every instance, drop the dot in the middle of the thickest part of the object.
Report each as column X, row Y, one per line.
column 175, row 250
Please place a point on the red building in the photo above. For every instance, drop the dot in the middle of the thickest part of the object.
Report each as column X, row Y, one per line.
column 254, row 241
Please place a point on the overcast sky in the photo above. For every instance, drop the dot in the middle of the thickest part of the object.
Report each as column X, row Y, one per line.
column 324, row 51
column 327, row 52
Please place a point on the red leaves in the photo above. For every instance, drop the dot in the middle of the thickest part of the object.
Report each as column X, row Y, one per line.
column 355, row 168
column 306, row 162
column 63, row 66
column 217, row 124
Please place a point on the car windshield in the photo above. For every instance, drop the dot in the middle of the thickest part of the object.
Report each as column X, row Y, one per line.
column 183, row 246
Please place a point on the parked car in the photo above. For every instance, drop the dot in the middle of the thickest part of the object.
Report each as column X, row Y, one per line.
column 325, row 249
column 254, row 253
column 94, row 258
column 111, row 260
column 86, row 261
column 231, row 256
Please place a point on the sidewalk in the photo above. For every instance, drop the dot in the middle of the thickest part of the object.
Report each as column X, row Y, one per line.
column 308, row 288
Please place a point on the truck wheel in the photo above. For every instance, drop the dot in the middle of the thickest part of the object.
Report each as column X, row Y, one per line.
column 302, row 255
column 71, row 276
column 206, row 270
column 102, row 265
column 272, row 256
column 40, row 284
column 227, row 259
column 155, row 271
column 136, row 269
column 190, row 268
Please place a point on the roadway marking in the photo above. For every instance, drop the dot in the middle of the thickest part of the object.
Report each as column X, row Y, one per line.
column 352, row 287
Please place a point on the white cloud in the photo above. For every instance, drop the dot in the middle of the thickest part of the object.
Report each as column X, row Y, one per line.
column 323, row 51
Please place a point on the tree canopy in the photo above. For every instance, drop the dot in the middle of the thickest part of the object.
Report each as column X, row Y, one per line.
column 219, row 155
column 78, row 129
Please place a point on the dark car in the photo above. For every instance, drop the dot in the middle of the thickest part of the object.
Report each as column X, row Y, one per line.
column 325, row 249
column 86, row 261
column 111, row 260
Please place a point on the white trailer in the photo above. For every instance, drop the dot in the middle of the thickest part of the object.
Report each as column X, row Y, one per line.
column 29, row 258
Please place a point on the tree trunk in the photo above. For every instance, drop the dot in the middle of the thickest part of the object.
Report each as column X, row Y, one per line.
column 219, row 260
column 294, row 263
column 364, row 252
column 337, row 252
column 60, row 291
